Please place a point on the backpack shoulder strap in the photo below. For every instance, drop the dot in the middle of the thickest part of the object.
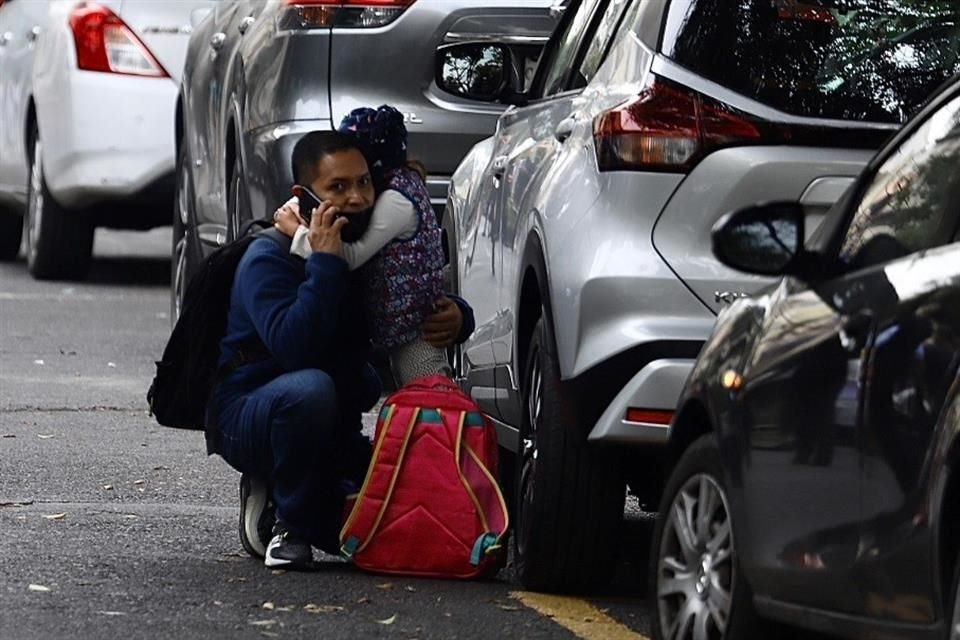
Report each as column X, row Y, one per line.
column 391, row 447
column 480, row 484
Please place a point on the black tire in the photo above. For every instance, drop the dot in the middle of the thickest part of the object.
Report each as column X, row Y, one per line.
column 11, row 233
column 59, row 243
column 185, row 254
column 953, row 606
column 569, row 496
column 699, row 470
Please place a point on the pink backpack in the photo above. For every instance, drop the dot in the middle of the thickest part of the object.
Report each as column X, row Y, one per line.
column 430, row 504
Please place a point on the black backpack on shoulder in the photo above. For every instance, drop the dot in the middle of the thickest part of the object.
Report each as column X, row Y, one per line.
column 188, row 370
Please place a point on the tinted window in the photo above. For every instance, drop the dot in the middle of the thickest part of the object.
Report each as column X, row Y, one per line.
column 599, row 43
column 560, row 63
column 874, row 60
column 912, row 202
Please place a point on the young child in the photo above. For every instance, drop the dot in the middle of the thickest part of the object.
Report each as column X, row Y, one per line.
column 400, row 256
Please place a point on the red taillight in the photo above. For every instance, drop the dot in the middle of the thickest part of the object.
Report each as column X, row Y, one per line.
column 802, row 11
column 650, row 416
column 356, row 14
column 667, row 128
column 105, row 43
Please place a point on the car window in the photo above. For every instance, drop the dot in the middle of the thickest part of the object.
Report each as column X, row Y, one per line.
column 556, row 73
column 874, row 60
column 912, row 202
column 599, row 44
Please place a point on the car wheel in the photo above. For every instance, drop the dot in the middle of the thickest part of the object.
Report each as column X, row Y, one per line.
column 238, row 211
column 695, row 577
column 11, row 232
column 953, row 631
column 569, row 496
column 59, row 243
column 185, row 255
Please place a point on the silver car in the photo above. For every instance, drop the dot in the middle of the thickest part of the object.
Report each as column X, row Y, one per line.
column 580, row 230
column 260, row 73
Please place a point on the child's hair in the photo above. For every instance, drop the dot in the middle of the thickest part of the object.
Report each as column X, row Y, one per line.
column 382, row 137
column 312, row 148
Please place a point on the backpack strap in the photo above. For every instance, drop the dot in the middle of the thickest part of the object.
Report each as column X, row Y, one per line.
column 388, row 454
column 480, row 484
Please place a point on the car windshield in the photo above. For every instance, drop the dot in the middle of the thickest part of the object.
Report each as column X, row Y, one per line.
column 868, row 60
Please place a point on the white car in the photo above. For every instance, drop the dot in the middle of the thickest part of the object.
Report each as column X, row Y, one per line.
column 87, row 95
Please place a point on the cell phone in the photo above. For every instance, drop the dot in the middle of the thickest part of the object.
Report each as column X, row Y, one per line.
column 307, row 200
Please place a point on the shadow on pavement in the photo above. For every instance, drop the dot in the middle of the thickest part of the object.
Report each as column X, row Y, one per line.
column 129, row 271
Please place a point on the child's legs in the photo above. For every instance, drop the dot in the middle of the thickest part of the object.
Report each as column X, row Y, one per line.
column 416, row 359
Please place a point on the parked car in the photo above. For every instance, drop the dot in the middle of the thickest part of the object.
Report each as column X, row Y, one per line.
column 580, row 231
column 261, row 73
column 814, row 476
column 86, row 94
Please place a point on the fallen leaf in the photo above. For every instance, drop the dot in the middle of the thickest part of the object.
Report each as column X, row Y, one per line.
column 507, row 607
column 40, row 362
column 278, row 572
column 411, row 589
column 56, row 516
column 363, row 600
column 44, row 436
column 389, row 620
column 217, row 603
column 112, row 364
column 385, row 586
column 322, row 608
column 268, row 606
column 138, row 482
column 289, row 607
column 108, row 487
column 263, row 623
column 39, row 588
column 112, row 613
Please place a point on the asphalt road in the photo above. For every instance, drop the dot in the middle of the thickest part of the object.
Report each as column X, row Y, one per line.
column 111, row 526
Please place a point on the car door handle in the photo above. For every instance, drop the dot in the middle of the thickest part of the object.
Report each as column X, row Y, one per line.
column 5, row 38
column 245, row 24
column 854, row 331
column 33, row 34
column 499, row 166
column 217, row 40
column 565, row 129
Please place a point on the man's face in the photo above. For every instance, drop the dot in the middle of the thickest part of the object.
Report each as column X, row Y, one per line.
column 343, row 179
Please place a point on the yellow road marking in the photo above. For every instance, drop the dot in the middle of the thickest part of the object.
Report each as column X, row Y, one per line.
column 579, row 616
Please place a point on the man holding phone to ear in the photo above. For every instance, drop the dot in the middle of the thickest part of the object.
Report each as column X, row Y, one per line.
column 289, row 414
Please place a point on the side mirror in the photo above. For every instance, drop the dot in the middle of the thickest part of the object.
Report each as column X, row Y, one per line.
column 476, row 70
column 765, row 239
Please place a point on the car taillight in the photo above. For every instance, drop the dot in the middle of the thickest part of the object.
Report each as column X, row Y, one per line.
column 667, row 128
column 105, row 43
column 350, row 14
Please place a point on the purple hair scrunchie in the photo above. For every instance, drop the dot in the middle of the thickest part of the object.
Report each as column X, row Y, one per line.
column 381, row 134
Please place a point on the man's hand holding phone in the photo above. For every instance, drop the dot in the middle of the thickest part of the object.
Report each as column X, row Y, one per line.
column 325, row 226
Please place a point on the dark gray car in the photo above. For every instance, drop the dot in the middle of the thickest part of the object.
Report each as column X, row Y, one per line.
column 816, row 458
column 261, row 73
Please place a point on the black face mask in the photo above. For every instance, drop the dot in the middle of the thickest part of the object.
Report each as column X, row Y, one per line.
column 357, row 225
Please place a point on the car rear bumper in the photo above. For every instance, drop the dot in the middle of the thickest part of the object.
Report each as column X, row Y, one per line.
column 656, row 386
column 106, row 137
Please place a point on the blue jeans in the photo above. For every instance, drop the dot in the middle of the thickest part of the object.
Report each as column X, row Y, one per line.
column 304, row 438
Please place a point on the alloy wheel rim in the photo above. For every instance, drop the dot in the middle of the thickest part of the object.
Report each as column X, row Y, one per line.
column 180, row 249
column 955, row 623
column 35, row 204
column 695, row 566
column 528, row 449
